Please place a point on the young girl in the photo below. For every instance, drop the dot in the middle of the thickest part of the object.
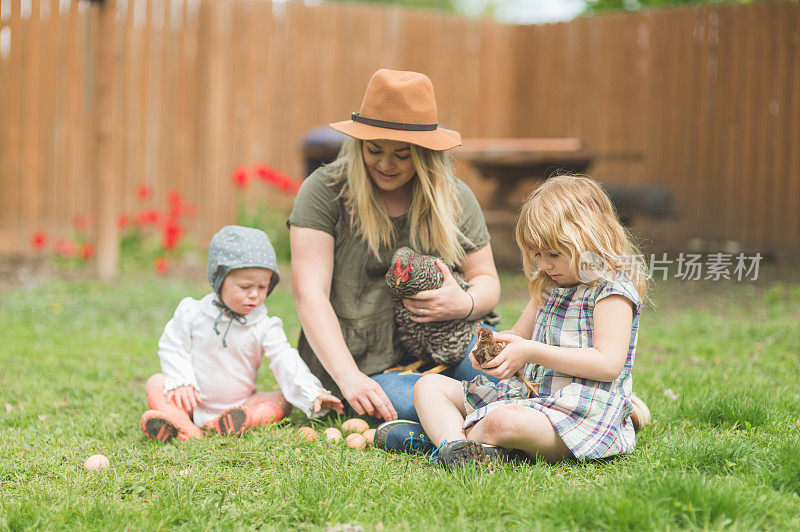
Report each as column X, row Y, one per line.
column 211, row 350
column 575, row 342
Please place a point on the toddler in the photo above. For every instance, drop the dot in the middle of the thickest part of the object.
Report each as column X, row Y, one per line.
column 211, row 350
column 575, row 343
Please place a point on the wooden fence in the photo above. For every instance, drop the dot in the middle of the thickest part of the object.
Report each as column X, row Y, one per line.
column 709, row 95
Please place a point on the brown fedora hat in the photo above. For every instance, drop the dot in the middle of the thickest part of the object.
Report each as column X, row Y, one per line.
column 399, row 105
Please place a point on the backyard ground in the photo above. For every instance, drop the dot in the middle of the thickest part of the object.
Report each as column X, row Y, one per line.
column 717, row 363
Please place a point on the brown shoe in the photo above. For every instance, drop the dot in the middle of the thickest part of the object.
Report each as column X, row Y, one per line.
column 232, row 421
column 640, row 416
column 158, row 427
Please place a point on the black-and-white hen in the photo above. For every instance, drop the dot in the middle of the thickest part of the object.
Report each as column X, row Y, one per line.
column 442, row 342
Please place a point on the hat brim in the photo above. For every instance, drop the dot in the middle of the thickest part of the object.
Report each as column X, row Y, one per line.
column 438, row 139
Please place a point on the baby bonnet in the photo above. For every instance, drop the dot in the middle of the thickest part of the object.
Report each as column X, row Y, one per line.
column 235, row 247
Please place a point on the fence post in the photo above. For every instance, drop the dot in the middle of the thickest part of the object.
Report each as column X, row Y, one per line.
column 107, row 184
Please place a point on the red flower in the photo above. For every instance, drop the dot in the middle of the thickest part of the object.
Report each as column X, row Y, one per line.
column 174, row 197
column 86, row 251
column 161, row 265
column 38, row 240
column 80, row 222
column 123, row 221
column 172, row 234
column 144, row 191
column 175, row 201
column 278, row 179
column 65, row 248
column 148, row 217
column 267, row 174
column 241, row 177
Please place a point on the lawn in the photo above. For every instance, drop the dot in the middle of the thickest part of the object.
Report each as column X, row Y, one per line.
column 717, row 364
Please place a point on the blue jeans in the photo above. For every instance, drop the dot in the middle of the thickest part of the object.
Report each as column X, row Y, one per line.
column 399, row 388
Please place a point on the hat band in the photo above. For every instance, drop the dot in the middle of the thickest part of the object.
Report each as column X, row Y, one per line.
column 393, row 125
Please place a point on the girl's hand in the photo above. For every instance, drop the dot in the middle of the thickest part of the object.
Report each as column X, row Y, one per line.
column 448, row 302
column 328, row 402
column 184, row 397
column 366, row 396
column 511, row 359
column 495, row 335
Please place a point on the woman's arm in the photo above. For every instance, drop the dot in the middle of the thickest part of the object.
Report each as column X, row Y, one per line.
column 450, row 301
column 312, row 273
column 613, row 317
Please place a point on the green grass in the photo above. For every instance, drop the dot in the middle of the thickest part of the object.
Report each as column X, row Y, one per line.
column 724, row 454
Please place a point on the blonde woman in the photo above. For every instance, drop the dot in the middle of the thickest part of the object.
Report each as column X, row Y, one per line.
column 392, row 186
column 576, row 341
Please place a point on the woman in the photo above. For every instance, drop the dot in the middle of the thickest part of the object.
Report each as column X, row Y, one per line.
column 392, row 186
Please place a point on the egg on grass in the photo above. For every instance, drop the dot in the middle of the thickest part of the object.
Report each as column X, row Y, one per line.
column 332, row 434
column 307, row 433
column 355, row 441
column 96, row 462
column 355, row 425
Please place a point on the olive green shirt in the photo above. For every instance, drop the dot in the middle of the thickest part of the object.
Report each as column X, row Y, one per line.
column 359, row 295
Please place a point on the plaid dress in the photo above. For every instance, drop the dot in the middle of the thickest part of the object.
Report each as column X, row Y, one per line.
column 591, row 417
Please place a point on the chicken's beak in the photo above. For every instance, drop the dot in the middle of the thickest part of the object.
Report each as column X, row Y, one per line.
column 397, row 282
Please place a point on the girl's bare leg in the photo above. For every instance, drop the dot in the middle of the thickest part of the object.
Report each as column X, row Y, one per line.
column 439, row 401
column 157, row 400
column 521, row 427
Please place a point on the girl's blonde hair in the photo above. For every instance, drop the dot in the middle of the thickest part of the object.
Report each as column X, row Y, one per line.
column 433, row 213
column 573, row 215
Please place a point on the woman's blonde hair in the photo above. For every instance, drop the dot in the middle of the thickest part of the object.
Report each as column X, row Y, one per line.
column 433, row 213
column 574, row 216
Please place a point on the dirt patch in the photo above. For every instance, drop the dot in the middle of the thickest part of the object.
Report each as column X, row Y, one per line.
column 18, row 271
column 26, row 271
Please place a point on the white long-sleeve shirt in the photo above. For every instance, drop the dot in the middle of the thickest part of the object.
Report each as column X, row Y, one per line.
column 192, row 354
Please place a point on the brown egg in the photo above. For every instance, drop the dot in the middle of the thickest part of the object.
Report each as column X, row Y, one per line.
column 369, row 435
column 355, row 441
column 307, row 433
column 96, row 462
column 332, row 434
column 355, row 425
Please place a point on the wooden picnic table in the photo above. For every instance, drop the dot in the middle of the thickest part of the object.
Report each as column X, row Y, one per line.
column 506, row 162
column 510, row 163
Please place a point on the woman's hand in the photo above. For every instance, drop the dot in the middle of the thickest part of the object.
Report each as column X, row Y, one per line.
column 511, row 359
column 184, row 397
column 328, row 402
column 366, row 395
column 447, row 302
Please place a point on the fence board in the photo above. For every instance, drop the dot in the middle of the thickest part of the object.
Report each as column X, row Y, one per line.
column 708, row 94
column 48, row 192
column 73, row 103
column 792, row 115
column 779, row 204
column 724, row 128
column 30, row 183
column 4, row 149
column 10, row 231
column 760, row 125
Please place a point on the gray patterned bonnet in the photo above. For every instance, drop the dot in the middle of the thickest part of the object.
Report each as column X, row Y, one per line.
column 235, row 247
